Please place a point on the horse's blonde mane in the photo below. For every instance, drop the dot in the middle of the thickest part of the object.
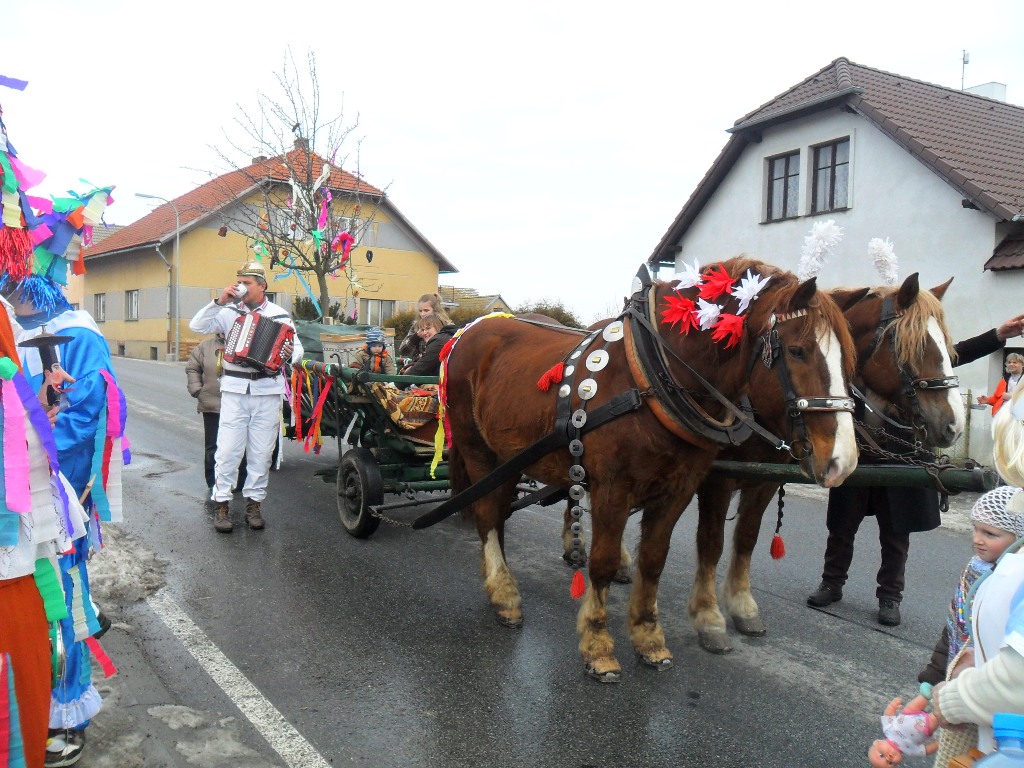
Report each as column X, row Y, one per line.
column 912, row 327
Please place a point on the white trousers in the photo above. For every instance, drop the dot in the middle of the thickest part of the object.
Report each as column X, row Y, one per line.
column 249, row 424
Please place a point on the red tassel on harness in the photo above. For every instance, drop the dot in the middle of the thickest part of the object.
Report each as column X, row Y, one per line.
column 778, row 548
column 579, row 585
column 552, row 376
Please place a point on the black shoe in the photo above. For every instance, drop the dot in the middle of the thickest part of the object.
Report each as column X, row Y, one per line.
column 64, row 748
column 826, row 594
column 889, row 612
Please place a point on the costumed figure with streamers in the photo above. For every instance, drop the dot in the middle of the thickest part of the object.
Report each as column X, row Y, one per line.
column 250, row 409
column 67, row 363
column 39, row 519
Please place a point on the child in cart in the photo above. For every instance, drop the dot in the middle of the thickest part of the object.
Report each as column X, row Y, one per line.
column 374, row 356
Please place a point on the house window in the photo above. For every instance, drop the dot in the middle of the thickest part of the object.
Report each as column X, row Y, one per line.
column 271, row 296
column 783, row 186
column 100, row 307
column 375, row 311
column 131, row 305
column 831, row 176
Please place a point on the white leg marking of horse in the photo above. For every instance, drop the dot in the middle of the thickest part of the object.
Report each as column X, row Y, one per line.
column 495, row 569
column 955, row 401
column 844, row 450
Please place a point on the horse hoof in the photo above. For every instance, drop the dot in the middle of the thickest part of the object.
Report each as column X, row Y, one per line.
column 567, row 557
column 623, row 576
column 512, row 622
column 608, row 676
column 751, row 626
column 659, row 664
column 715, row 642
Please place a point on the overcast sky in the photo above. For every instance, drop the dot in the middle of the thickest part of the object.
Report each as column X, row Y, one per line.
column 543, row 147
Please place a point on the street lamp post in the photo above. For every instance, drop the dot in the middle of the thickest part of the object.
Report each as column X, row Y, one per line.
column 177, row 266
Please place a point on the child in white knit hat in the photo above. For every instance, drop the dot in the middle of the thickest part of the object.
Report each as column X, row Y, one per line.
column 998, row 519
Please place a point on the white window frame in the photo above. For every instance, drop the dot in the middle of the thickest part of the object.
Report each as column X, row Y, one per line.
column 375, row 312
column 99, row 305
column 131, row 305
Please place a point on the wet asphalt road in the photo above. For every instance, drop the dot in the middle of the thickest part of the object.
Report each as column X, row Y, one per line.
column 384, row 652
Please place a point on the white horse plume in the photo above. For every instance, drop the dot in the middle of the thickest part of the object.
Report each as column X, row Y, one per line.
column 883, row 256
column 818, row 246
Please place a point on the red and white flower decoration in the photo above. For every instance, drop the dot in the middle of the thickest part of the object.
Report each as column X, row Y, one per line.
column 706, row 313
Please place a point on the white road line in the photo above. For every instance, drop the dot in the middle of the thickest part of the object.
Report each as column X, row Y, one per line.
column 271, row 724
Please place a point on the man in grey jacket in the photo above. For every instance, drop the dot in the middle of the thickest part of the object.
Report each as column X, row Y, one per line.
column 203, row 371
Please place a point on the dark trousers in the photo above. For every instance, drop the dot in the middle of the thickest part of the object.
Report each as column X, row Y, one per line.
column 211, row 423
column 843, row 522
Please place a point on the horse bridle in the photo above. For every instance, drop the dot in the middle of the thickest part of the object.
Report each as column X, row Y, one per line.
column 910, row 384
column 769, row 349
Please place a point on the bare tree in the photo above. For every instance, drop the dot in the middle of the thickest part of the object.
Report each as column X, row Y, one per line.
column 298, row 207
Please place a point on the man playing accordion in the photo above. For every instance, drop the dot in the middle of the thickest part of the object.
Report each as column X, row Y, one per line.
column 251, row 394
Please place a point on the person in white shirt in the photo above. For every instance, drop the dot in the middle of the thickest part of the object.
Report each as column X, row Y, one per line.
column 250, row 414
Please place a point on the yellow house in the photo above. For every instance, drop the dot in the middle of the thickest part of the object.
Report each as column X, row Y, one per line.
column 143, row 305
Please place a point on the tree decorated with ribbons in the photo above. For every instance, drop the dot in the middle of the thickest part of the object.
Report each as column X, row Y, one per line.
column 302, row 214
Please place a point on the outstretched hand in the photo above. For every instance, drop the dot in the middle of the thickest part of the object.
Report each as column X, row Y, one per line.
column 1011, row 328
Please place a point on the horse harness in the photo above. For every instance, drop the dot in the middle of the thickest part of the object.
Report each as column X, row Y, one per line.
column 910, row 384
column 676, row 407
column 659, row 386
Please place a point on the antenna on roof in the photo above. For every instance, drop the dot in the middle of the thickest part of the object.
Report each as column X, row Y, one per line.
column 963, row 67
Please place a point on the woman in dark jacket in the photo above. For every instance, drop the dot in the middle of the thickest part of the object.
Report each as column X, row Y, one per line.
column 899, row 511
column 436, row 334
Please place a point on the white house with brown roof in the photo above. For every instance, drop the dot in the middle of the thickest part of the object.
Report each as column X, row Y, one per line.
column 937, row 171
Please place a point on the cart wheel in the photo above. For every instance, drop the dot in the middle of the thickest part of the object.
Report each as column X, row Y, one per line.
column 359, row 486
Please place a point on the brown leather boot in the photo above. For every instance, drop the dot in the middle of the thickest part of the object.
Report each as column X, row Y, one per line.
column 252, row 514
column 222, row 517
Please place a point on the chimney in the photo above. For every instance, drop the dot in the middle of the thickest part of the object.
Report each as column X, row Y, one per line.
column 301, row 142
column 993, row 90
column 259, row 159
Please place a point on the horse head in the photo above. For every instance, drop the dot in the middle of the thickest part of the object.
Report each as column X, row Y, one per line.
column 793, row 358
column 904, row 361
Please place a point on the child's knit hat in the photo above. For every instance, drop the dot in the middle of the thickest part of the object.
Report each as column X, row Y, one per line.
column 375, row 336
column 1002, row 508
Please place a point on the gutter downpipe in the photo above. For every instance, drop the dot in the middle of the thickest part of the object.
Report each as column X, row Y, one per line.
column 168, row 265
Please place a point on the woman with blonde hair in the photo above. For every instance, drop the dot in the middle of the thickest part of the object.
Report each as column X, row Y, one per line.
column 1014, row 367
column 413, row 344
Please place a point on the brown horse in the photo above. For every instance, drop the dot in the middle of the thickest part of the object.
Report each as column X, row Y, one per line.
column 655, row 454
column 916, row 342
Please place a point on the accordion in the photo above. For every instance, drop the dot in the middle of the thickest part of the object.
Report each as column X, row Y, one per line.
column 255, row 341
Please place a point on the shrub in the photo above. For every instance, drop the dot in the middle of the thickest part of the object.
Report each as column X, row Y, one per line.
column 553, row 309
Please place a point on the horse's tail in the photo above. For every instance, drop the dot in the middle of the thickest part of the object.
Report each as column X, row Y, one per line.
column 458, row 477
